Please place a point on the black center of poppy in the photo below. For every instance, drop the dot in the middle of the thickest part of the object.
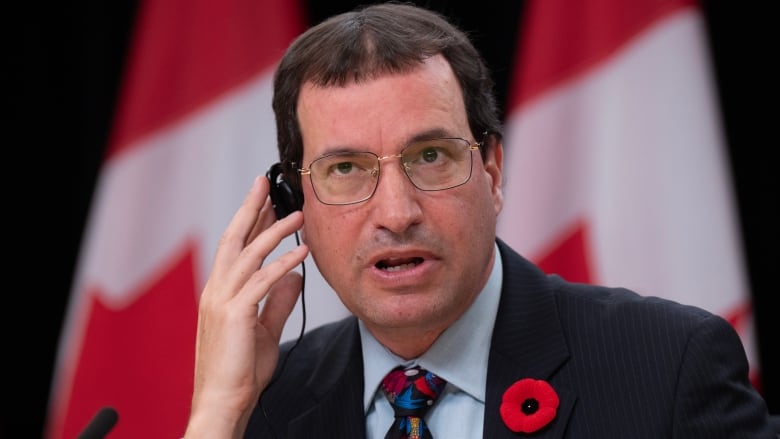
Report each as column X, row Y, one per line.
column 529, row 406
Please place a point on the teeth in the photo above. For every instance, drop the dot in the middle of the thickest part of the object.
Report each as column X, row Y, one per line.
column 399, row 267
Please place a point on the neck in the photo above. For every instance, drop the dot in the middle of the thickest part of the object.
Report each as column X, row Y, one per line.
column 407, row 343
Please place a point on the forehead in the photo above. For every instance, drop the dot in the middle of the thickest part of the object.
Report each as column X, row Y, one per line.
column 383, row 114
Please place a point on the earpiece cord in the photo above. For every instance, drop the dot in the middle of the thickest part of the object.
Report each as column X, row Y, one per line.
column 300, row 336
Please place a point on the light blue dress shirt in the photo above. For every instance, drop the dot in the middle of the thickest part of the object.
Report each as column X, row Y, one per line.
column 459, row 355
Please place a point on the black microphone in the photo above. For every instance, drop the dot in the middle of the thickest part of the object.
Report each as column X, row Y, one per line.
column 103, row 421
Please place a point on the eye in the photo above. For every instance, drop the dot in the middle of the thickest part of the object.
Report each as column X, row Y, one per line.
column 429, row 155
column 343, row 167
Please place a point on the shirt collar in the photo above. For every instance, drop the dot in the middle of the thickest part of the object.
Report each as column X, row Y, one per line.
column 459, row 355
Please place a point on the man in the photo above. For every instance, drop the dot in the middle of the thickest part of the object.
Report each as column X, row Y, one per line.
column 390, row 144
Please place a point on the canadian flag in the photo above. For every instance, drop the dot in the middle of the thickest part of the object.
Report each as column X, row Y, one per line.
column 616, row 169
column 194, row 127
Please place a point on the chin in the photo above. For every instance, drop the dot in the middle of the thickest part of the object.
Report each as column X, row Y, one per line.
column 404, row 311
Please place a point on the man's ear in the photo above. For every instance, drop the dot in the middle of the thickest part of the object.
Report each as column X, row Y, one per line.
column 494, row 168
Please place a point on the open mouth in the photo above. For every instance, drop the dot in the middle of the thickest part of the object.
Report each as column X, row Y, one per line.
column 398, row 264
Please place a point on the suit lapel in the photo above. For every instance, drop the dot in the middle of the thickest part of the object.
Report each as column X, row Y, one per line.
column 527, row 342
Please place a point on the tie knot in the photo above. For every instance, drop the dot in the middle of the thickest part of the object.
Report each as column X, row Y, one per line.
column 412, row 391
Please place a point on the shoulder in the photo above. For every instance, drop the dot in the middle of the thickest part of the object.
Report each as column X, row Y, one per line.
column 617, row 302
column 627, row 320
column 307, row 370
column 323, row 343
column 612, row 316
column 588, row 303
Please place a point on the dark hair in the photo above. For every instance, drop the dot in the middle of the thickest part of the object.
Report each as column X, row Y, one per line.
column 372, row 41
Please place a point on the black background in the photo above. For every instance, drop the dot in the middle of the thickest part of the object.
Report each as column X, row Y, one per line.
column 67, row 74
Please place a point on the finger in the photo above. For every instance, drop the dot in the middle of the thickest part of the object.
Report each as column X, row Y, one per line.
column 261, row 281
column 279, row 304
column 241, row 225
column 266, row 218
column 254, row 255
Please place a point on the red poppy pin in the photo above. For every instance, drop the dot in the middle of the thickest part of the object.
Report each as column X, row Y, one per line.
column 529, row 405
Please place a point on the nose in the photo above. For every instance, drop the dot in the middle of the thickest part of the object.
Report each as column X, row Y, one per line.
column 395, row 205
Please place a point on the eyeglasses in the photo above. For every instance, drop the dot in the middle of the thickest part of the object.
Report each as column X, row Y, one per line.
column 352, row 177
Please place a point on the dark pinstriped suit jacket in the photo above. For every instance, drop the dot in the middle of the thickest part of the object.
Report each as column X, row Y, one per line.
column 623, row 366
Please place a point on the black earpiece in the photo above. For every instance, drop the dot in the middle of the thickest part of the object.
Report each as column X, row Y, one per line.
column 283, row 197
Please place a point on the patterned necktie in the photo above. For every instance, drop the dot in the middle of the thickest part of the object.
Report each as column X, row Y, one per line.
column 411, row 392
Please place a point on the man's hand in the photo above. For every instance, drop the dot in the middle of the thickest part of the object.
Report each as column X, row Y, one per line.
column 237, row 344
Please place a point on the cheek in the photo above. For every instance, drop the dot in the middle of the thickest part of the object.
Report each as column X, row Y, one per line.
column 479, row 212
column 491, row 197
column 328, row 232
column 464, row 216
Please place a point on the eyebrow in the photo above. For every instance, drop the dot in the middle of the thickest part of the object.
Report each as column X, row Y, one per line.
column 432, row 133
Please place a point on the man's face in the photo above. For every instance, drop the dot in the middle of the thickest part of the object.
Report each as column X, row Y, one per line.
column 405, row 258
